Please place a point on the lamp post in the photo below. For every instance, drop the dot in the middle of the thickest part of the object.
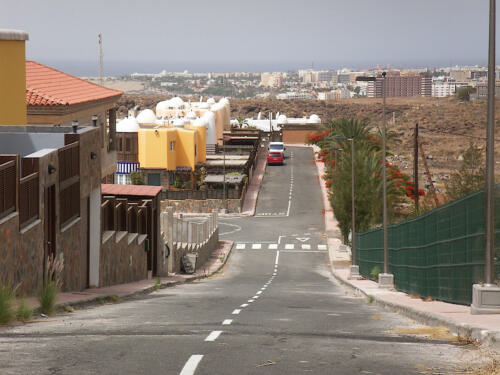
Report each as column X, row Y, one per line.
column 354, row 269
column 335, row 149
column 224, row 174
column 486, row 297
column 385, row 279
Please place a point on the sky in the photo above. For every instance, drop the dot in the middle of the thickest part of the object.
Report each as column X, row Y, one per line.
column 256, row 35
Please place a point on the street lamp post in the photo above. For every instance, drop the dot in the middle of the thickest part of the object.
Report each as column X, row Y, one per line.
column 354, row 269
column 486, row 297
column 385, row 279
column 224, row 174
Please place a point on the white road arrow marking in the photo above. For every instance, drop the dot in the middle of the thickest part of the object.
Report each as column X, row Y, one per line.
column 303, row 239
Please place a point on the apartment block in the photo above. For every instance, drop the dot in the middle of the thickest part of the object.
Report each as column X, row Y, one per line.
column 400, row 86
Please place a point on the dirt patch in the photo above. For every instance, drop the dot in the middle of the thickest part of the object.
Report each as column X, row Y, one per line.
column 437, row 333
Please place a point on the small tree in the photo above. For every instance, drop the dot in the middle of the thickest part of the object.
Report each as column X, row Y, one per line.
column 470, row 176
column 137, row 178
column 463, row 93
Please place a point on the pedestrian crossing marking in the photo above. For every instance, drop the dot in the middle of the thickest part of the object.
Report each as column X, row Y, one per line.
column 275, row 246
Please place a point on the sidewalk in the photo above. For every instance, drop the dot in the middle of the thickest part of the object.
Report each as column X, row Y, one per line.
column 457, row 318
column 254, row 187
column 95, row 296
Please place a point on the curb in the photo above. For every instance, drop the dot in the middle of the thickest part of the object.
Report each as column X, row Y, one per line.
column 96, row 301
column 483, row 336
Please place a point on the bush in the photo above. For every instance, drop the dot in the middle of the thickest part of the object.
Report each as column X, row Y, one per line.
column 374, row 273
column 24, row 311
column 6, row 301
column 48, row 297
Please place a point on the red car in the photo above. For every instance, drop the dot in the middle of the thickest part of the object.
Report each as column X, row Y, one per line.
column 275, row 157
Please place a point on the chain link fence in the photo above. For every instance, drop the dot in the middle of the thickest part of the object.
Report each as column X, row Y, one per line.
column 440, row 254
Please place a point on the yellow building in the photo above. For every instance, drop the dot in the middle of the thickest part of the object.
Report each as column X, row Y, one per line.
column 13, row 76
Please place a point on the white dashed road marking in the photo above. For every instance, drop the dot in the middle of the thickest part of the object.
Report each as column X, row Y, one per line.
column 273, row 246
column 321, row 247
column 213, row 335
column 227, row 322
column 236, row 311
column 190, row 366
column 256, row 246
column 240, row 246
column 259, row 292
column 277, row 257
column 244, row 305
column 289, row 246
column 306, row 246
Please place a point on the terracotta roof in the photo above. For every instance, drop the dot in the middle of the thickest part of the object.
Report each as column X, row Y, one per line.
column 46, row 86
column 133, row 190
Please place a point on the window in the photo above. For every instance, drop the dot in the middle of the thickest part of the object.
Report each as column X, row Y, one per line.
column 195, row 150
column 123, row 179
column 171, row 178
column 127, row 144
column 120, row 144
column 172, row 145
column 154, row 179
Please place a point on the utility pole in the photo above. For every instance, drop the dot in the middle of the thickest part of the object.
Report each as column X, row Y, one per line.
column 486, row 297
column 100, row 59
column 415, row 166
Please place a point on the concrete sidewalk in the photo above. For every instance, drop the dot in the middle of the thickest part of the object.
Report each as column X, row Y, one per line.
column 96, row 296
column 253, row 189
column 457, row 318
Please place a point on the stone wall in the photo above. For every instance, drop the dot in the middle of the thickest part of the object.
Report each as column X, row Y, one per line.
column 123, row 258
column 203, row 206
column 21, row 255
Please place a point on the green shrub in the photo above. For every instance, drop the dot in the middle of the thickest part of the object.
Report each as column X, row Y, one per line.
column 47, row 297
column 374, row 273
column 157, row 284
column 24, row 311
column 6, row 301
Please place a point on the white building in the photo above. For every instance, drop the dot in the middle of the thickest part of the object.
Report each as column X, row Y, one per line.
column 443, row 89
column 294, row 95
column 271, row 79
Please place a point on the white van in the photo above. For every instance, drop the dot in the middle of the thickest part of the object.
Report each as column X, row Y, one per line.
column 277, row 146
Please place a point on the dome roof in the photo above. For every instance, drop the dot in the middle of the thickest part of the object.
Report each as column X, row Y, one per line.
column 162, row 105
column 314, row 119
column 211, row 101
column 282, row 119
column 146, row 116
column 127, row 125
column 200, row 122
column 176, row 102
column 179, row 122
column 191, row 115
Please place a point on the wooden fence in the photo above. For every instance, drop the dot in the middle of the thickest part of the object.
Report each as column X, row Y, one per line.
column 121, row 215
column 8, row 185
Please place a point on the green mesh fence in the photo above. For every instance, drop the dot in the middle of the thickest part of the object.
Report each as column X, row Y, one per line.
column 440, row 254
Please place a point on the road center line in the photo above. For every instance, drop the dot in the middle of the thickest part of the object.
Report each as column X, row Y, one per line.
column 259, row 292
column 244, row 305
column 213, row 335
column 277, row 257
column 236, row 311
column 191, row 364
column 227, row 322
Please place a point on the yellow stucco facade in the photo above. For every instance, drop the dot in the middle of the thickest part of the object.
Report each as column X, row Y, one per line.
column 13, row 78
column 169, row 148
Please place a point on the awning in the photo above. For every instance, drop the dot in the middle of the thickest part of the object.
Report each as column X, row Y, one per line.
column 126, row 168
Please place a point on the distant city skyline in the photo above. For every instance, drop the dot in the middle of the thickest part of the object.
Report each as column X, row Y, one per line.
column 264, row 35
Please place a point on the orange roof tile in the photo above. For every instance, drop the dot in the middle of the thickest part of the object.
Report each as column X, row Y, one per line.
column 46, row 86
column 133, row 190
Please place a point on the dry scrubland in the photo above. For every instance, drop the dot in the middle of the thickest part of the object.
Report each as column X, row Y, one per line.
column 446, row 125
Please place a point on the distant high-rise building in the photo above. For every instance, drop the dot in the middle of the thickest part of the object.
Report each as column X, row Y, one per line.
column 271, row 79
column 400, row 86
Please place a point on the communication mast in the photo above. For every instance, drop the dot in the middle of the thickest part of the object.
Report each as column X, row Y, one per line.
column 100, row 59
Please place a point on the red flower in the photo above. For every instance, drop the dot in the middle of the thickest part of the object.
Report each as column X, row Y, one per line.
column 398, row 184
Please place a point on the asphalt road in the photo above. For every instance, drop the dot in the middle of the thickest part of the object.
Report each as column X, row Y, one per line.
column 273, row 310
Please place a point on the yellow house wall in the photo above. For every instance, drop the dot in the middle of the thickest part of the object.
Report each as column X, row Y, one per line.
column 13, row 82
column 154, row 148
column 186, row 140
column 201, row 138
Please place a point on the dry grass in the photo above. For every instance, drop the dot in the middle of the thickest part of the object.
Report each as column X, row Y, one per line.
column 437, row 332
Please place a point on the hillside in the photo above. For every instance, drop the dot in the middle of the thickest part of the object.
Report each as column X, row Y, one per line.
column 446, row 125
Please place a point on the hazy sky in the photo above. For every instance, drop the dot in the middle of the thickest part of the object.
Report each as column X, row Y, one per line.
column 258, row 35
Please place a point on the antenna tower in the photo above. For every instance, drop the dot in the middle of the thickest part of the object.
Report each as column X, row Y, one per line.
column 100, row 59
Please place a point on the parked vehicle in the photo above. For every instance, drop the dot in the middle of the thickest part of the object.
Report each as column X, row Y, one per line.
column 275, row 157
column 277, row 146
